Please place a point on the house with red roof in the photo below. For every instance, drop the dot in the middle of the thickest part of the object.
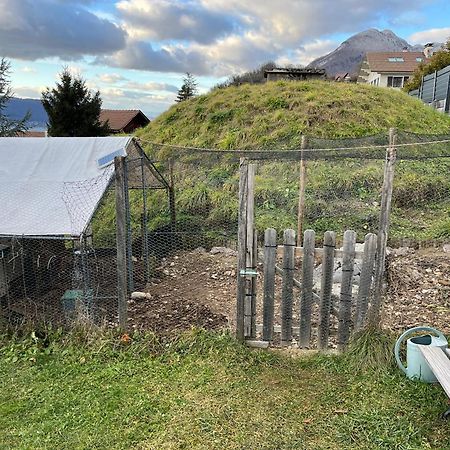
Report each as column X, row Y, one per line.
column 389, row 69
column 124, row 120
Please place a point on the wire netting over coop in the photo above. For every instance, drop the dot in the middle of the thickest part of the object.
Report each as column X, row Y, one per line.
column 66, row 219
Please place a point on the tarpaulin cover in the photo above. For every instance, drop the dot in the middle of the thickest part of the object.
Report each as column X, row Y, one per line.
column 52, row 186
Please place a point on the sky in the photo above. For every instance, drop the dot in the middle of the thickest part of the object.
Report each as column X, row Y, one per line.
column 136, row 52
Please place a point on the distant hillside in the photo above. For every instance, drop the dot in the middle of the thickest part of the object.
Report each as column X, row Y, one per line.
column 348, row 56
column 18, row 107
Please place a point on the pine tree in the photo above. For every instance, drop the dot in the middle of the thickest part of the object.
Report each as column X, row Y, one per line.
column 9, row 127
column 72, row 109
column 188, row 88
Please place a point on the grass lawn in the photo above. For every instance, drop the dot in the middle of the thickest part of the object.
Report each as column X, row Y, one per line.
column 205, row 391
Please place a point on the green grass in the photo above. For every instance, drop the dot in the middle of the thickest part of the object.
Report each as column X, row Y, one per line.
column 206, row 391
column 340, row 194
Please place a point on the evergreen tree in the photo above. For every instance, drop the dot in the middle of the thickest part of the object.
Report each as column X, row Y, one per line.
column 438, row 61
column 9, row 127
column 188, row 88
column 72, row 109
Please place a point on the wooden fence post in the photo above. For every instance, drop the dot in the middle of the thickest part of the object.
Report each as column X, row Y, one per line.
column 301, row 193
column 242, row 248
column 345, row 303
column 365, row 280
column 251, row 263
column 386, row 200
column 307, row 288
column 270, row 254
column 329, row 244
column 121, row 240
column 288, row 284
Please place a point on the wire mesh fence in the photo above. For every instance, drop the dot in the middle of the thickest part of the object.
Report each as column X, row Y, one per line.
column 181, row 226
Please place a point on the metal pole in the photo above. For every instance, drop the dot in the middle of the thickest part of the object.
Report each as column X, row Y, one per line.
column 128, row 225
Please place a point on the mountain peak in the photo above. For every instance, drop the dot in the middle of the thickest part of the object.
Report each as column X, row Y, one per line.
column 348, row 56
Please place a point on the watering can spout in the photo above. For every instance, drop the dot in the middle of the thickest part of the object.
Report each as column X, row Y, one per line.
column 417, row 367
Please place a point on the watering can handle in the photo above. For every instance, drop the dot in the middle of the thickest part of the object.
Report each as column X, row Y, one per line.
column 405, row 335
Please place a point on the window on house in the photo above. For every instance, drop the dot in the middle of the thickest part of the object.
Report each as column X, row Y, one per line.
column 395, row 82
column 419, row 59
column 396, row 59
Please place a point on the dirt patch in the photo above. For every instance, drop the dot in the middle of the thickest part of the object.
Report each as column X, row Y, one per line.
column 199, row 288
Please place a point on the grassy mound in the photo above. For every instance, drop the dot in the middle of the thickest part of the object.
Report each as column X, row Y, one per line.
column 340, row 194
column 277, row 114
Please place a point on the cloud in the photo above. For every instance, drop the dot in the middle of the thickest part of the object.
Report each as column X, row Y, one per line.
column 151, row 86
column 308, row 52
column 174, row 20
column 30, row 30
column 27, row 69
column 111, row 78
column 432, row 35
column 141, row 55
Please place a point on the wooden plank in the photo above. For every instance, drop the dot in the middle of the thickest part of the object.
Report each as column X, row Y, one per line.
column 345, row 304
column 301, row 193
column 242, row 248
column 253, row 281
column 365, row 280
column 121, row 240
column 307, row 288
column 329, row 243
column 287, row 293
column 270, row 247
column 383, row 229
column 439, row 364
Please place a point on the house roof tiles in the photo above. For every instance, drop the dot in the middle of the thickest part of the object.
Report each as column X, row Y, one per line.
column 391, row 61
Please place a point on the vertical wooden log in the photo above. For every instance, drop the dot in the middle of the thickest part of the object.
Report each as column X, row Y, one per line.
column 121, row 240
column 242, row 248
column 383, row 229
column 307, row 288
column 253, row 284
column 329, row 244
column 172, row 208
column 250, row 254
column 345, row 302
column 365, row 279
column 301, row 193
column 270, row 254
column 288, row 284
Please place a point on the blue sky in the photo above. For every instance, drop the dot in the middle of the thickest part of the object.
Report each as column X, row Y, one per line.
column 137, row 51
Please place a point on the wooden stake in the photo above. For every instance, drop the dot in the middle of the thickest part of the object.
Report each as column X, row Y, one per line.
column 301, row 193
column 287, row 293
column 121, row 240
column 386, row 200
column 270, row 252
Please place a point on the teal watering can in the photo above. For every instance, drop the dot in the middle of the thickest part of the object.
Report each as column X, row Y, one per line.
column 417, row 368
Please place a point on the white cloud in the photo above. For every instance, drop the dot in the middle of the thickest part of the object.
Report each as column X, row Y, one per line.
column 432, row 35
column 111, row 78
column 151, row 86
column 308, row 52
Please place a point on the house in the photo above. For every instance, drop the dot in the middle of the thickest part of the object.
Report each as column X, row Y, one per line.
column 124, row 120
column 305, row 73
column 389, row 69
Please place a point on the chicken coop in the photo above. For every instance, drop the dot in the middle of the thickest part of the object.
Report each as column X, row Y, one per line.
column 73, row 227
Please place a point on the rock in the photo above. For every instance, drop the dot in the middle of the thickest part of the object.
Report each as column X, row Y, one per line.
column 140, row 295
column 446, row 248
column 402, row 251
column 224, row 250
column 199, row 250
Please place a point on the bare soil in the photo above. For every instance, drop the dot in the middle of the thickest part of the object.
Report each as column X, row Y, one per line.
column 199, row 289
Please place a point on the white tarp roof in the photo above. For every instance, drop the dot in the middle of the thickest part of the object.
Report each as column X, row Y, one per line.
column 51, row 186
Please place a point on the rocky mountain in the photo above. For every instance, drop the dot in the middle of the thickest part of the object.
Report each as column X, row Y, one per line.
column 348, row 56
